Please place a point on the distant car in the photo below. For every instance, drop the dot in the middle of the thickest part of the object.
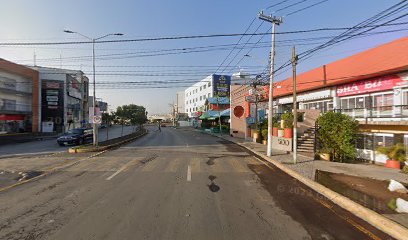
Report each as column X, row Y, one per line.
column 76, row 136
column 102, row 126
column 163, row 125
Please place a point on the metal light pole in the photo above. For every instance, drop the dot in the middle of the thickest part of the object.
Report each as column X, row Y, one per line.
column 294, row 62
column 95, row 127
column 275, row 21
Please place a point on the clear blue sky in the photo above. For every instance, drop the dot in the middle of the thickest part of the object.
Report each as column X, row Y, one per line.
column 44, row 20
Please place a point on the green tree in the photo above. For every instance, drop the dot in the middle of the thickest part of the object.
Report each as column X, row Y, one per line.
column 337, row 135
column 132, row 114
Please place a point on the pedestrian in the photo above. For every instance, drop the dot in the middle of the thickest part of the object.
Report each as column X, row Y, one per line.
column 159, row 126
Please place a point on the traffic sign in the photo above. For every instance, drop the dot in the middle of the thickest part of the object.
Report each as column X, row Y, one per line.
column 97, row 119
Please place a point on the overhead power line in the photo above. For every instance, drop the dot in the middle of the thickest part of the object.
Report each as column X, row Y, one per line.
column 182, row 37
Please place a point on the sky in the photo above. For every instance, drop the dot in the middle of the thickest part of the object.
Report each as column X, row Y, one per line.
column 152, row 61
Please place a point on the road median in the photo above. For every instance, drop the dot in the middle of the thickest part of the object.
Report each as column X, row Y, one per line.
column 375, row 219
column 106, row 145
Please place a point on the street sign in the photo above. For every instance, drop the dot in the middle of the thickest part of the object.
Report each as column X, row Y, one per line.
column 250, row 120
column 97, row 119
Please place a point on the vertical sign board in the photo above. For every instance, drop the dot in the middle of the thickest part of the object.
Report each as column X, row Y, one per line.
column 222, row 84
column 52, row 103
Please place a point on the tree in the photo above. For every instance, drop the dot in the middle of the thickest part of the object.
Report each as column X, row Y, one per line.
column 337, row 136
column 132, row 114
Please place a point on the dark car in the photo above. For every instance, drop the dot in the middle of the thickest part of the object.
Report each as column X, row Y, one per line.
column 76, row 136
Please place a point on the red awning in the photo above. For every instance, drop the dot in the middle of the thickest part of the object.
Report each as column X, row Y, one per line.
column 12, row 117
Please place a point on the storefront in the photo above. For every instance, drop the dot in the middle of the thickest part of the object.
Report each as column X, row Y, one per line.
column 314, row 100
column 13, row 123
column 372, row 98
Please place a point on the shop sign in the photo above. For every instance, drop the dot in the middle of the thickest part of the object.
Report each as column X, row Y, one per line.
column 222, row 85
column 239, row 111
column 250, row 120
column 74, row 89
column 367, row 86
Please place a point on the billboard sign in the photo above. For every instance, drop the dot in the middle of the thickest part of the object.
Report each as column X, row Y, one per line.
column 74, row 87
column 368, row 86
column 222, row 84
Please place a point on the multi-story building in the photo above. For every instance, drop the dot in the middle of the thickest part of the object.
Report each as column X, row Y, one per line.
column 211, row 86
column 19, row 98
column 371, row 87
column 63, row 99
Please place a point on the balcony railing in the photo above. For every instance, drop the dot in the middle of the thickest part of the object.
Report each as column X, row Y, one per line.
column 397, row 111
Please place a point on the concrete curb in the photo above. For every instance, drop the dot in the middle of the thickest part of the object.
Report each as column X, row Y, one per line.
column 104, row 148
column 375, row 219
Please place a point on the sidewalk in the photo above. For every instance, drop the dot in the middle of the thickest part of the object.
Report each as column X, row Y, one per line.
column 307, row 167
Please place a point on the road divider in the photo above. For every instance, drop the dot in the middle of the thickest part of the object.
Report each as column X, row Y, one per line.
column 112, row 143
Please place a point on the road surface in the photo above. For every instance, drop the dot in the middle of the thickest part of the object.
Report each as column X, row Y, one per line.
column 50, row 145
column 174, row 184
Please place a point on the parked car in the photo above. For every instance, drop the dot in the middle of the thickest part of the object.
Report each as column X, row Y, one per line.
column 163, row 125
column 102, row 126
column 76, row 136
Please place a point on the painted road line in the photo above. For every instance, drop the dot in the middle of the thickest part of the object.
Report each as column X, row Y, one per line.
column 188, row 173
column 128, row 164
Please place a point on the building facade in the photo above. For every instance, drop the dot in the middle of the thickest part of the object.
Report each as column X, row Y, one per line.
column 63, row 98
column 19, row 98
column 180, row 102
column 371, row 87
column 211, row 86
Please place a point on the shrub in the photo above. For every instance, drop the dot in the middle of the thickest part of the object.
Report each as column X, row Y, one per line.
column 405, row 169
column 287, row 120
column 265, row 134
column 395, row 152
column 337, row 136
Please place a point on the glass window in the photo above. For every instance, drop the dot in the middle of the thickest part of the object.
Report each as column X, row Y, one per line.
column 344, row 104
column 360, row 102
column 352, row 103
column 388, row 100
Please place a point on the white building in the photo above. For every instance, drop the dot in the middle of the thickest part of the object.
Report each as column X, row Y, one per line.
column 196, row 95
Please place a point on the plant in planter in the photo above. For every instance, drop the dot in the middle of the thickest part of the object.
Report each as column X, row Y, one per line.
column 256, row 134
column 396, row 154
column 337, row 135
column 275, row 126
column 264, row 136
column 288, row 124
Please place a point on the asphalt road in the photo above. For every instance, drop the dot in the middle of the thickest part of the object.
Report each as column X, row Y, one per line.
column 174, row 184
column 50, row 145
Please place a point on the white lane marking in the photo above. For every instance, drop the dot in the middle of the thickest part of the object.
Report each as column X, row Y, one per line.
column 188, row 173
column 117, row 172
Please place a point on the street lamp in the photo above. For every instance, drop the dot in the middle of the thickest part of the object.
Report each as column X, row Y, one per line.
column 95, row 128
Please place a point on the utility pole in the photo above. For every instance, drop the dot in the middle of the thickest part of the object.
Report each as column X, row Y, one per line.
column 275, row 21
column 294, row 63
column 219, row 115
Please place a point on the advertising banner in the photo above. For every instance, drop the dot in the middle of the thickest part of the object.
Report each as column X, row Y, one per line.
column 368, row 86
column 222, row 84
column 74, row 87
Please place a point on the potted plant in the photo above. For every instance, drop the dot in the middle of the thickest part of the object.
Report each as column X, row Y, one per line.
column 275, row 126
column 396, row 154
column 288, row 124
column 256, row 136
column 281, row 132
column 265, row 136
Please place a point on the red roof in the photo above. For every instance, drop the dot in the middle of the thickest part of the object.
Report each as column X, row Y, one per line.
column 388, row 58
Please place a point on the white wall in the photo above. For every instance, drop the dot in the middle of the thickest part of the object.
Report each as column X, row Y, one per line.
column 193, row 103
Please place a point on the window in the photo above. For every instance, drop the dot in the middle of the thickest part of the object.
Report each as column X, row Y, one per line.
column 201, row 88
column 200, row 98
column 209, row 84
column 204, row 86
column 208, row 95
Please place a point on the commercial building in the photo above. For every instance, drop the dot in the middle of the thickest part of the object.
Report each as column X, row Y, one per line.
column 19, row 98
column 371, row 87
column 63, row 98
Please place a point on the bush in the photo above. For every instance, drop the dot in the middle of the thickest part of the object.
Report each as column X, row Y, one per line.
column 287, row 120
column 265, row 134
column 337, row 136
column 405, row 169
column 395, row 152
